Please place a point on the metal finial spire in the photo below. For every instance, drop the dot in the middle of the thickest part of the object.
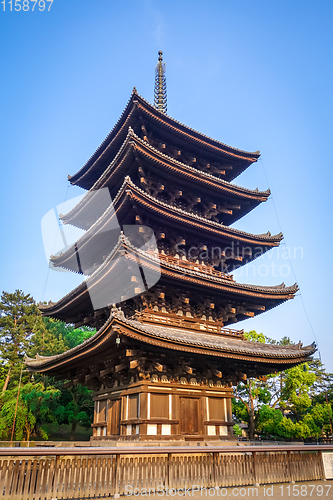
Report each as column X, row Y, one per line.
column 160, row 94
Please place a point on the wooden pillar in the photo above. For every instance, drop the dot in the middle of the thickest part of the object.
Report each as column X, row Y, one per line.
column 143, row 412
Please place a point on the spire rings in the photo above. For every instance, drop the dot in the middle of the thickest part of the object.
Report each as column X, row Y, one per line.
column 160, row 91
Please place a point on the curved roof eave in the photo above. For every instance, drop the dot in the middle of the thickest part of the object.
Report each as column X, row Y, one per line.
column 195, row 175
column 261, row 239
column 173, row 339
column 190, row 134
column 129, row 183
column 278, row 292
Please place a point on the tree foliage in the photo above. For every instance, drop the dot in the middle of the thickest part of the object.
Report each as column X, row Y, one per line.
column 75, row 407
column 18, row 314
column 17, row 317
column 33, row 400
column 292, row 404
column 30, row 406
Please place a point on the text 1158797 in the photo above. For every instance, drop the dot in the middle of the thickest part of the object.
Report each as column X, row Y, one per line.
column 26, row 5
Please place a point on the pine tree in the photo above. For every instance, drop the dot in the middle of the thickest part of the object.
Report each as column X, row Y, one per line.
column 18, row 315
column 48, row 338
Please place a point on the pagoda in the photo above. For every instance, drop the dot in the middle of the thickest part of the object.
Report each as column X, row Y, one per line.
column 158, row 251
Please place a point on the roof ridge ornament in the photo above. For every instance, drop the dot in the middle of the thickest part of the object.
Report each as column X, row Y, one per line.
column 117, row 312
column 160, row 93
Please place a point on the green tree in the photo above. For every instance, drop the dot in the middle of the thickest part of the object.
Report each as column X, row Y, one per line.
column 75, row 407
column 319, row 418
column 250, row 393
column 18, row 314
column 237, row 430
column 23, row 331
column 52, row 337
column 27, row 408
column 255, row 337
column 294, row 395
column 268, row 419
column 47, row 338
column 306, row 418
column 282, row 404
column 75, row 336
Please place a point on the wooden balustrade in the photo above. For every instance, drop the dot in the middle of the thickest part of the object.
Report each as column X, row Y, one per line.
column 195, row 267
column 43, row 474
column 172, row 319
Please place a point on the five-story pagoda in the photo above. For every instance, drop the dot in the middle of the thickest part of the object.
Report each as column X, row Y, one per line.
column 164, row 359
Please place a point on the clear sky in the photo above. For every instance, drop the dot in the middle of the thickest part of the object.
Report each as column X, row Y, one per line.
column 252, row 74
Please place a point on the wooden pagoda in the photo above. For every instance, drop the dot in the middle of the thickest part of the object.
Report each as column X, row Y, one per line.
column 163, row 362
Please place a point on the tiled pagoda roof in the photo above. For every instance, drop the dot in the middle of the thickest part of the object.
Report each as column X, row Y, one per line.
column 124, row 161
column 267, row 357
column 129, row 193
column 180, row 134
column 78, row 300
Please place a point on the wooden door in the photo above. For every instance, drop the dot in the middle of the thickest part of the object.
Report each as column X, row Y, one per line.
column 189, row 416
column 113, row 422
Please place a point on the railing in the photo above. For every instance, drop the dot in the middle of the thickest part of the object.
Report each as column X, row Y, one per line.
column 234, row 333
column 43, row 474
column 188, row 323
column 206, row 269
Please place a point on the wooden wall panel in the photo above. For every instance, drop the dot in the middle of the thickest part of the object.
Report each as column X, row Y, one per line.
column 133, row 403
column 189, row 415
column 101, row 416
column 216, row 409
column 159, row 406
column 113, row 418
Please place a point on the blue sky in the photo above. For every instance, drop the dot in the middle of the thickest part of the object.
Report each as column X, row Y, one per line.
column 255, row 75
